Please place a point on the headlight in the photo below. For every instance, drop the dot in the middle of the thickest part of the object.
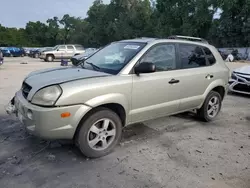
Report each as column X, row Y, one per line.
column 233, row 76
column 47, row 96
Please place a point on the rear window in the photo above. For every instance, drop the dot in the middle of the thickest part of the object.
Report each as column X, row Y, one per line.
column 79, row 47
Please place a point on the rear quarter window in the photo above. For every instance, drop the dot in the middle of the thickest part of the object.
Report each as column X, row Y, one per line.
column 210, row 57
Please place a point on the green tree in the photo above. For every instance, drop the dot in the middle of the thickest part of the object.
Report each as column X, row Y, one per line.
column 35, row 33
column 52, row 31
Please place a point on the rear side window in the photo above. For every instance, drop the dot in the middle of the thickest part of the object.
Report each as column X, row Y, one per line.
column 192, row 56
column 70, row 47
column 210, row 57
column 62, row 47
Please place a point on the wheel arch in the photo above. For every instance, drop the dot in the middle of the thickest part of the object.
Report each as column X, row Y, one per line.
column 115, row 107
column 50, row 54
column 219, row 86
column 221, row 90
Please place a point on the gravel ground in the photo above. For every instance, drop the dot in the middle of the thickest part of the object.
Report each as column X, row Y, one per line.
column 177, row 151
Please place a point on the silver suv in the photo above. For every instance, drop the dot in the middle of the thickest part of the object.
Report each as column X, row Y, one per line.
column 62, row 52
column 123, row 83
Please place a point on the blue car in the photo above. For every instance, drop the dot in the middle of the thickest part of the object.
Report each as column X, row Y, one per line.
column 34, row 52
column 1, row 57
column 6, row 53
column 12, row 52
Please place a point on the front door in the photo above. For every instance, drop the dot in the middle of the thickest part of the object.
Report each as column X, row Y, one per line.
column 70, row 51
column 156, row 94
column 60, row 52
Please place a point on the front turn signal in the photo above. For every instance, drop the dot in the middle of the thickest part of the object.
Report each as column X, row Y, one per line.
column 65, row 115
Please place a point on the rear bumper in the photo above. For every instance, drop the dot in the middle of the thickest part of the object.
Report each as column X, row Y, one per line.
column 47, row 123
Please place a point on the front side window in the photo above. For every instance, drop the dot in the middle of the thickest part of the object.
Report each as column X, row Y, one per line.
column 62, row 48
column 114, row 57
column 163, row 56
column 192, row 56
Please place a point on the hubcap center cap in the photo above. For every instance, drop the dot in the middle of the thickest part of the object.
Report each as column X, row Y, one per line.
column 103, row 134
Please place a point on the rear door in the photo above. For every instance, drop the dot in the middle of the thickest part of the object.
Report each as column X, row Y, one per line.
column 195, row 75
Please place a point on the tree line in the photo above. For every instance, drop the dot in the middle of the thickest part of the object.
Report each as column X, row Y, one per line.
column 224, row 23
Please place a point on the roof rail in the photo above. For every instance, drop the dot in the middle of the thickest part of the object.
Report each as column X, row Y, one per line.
column 195, row 39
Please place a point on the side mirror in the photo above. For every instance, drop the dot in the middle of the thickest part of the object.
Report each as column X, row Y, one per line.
column 145, row 67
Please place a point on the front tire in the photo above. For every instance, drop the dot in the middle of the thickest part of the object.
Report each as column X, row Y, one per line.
column 49, row 58
column 211, row 107
column 99, row 133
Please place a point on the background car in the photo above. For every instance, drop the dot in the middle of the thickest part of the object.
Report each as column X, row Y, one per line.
column 65, row 51
column 79, row 58
column 240, row 80
column 1, row 57
column 13, row 52
column 35, row 53
column 6, row 53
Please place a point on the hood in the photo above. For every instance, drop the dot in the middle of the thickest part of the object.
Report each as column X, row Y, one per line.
column 42, row 78
column 243, row 70
column 46, row 50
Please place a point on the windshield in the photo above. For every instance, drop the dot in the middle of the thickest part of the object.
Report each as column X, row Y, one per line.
column 55, row 47
column 114, row 57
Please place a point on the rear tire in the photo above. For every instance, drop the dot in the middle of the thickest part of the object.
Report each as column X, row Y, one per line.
column 49, row 58
column 211, row 107
column 99, row 133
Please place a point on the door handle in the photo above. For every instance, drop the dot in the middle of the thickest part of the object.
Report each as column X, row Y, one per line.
column 209, row 76
column 174, row 81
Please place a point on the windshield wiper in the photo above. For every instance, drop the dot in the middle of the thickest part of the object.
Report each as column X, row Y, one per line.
column 93, row 65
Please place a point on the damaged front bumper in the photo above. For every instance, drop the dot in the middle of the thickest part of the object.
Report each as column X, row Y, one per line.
column 11, row 108
column 47, row 123
column 240, row 83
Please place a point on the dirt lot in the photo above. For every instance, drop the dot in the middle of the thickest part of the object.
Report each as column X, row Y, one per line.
column 175, row 152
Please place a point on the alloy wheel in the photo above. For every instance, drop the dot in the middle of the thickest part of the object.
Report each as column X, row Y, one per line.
column 213, row 107
column 101, row 134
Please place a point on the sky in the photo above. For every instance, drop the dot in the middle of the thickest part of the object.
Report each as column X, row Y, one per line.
column 16, row 13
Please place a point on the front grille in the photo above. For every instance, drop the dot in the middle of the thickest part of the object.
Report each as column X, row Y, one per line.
column 244, row 76
column 248, row 79
column 242, row 87
column 26, row 89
